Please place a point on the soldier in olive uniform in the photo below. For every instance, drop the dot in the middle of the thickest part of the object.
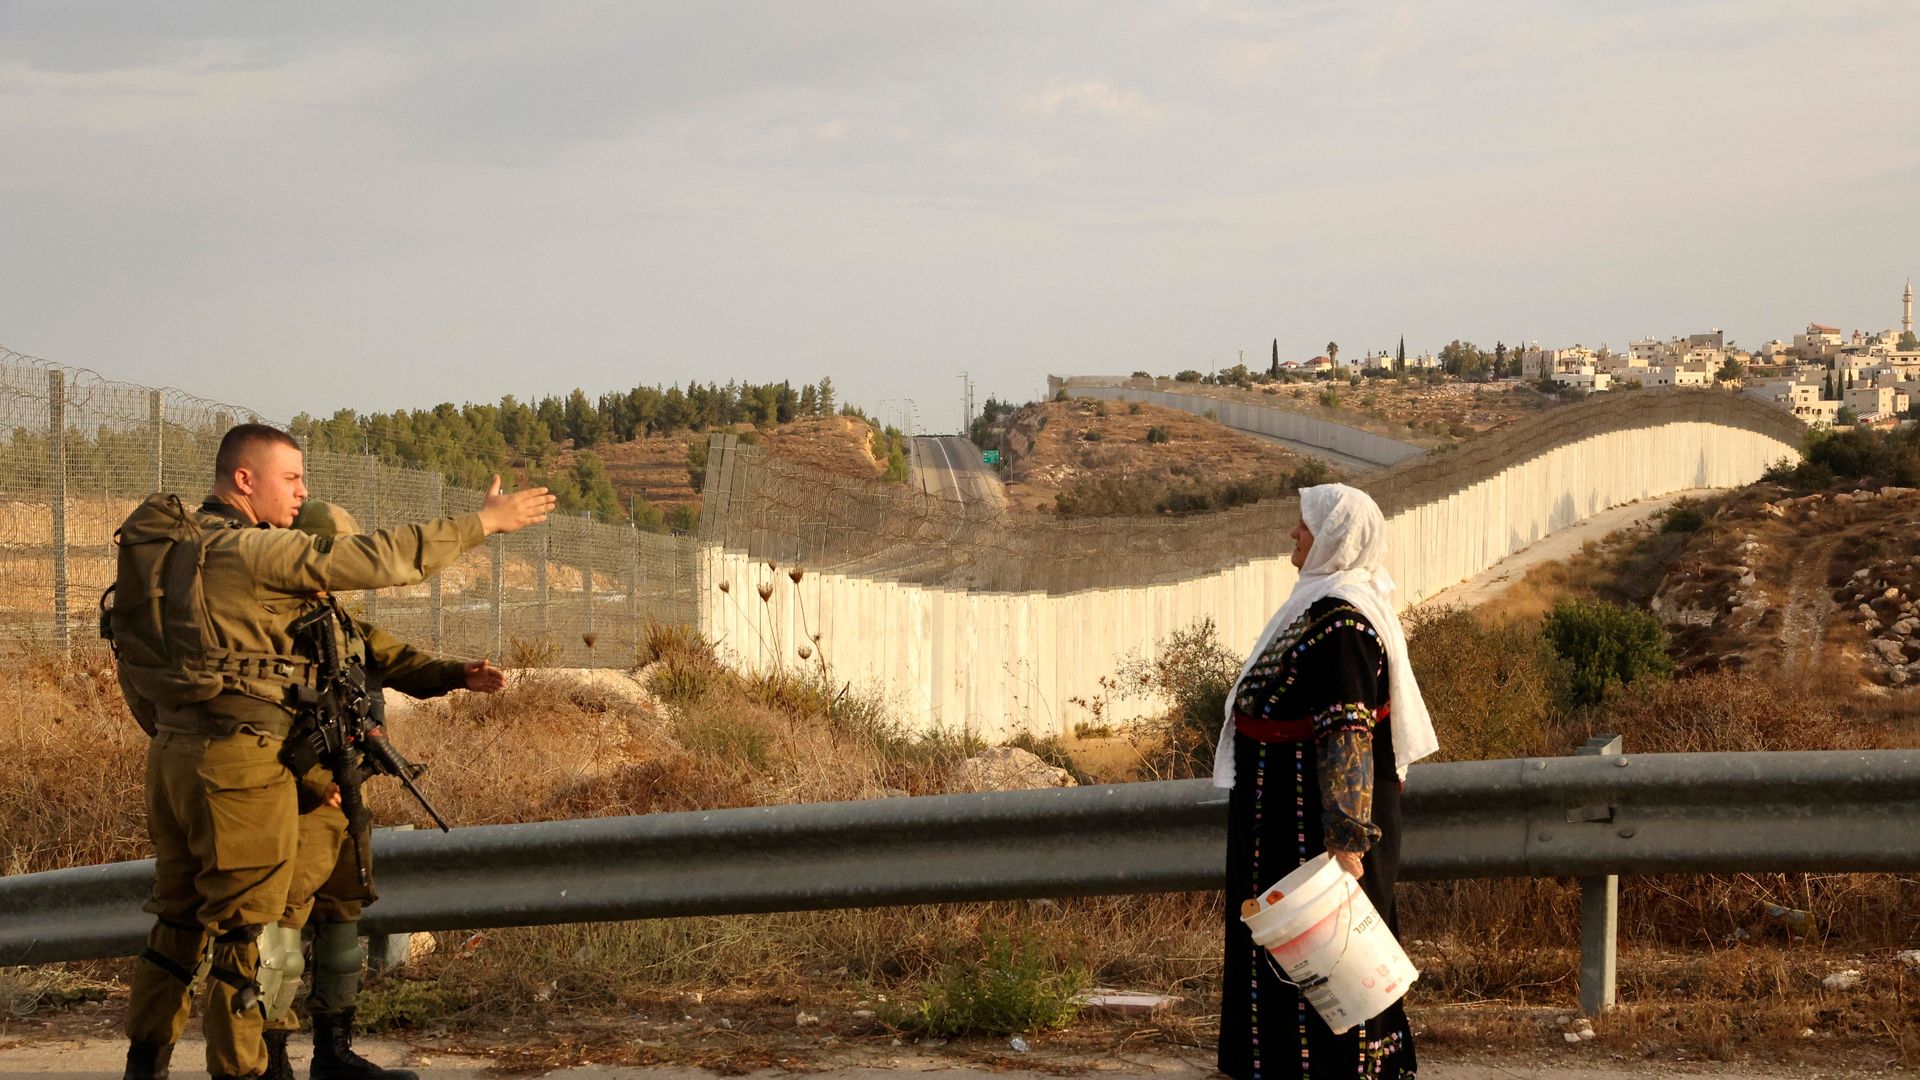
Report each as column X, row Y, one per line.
column 208, row 665
column 332, row 878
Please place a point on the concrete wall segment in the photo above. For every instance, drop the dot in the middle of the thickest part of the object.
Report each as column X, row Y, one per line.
column 996, row 659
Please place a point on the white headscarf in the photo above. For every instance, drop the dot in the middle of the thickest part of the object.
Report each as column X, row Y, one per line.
column 1347, row 560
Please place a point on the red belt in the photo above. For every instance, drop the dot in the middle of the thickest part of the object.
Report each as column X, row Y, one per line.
column 1261, row 729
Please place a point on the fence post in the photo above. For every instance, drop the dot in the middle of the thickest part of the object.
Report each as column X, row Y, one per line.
column 157, row 431
column 373, row 523
column 1599, row 915
column 633, row 582
column 436, row 606
column 57, row 469
column 498, row 546
column 586, row 571
column 540, row 576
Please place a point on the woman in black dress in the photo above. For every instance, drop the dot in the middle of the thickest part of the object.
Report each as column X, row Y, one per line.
column 1320, row 728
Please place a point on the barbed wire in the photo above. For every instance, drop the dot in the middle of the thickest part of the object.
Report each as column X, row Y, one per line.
column 574, row 591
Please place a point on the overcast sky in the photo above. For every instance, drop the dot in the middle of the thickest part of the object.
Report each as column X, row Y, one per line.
column 306, row 206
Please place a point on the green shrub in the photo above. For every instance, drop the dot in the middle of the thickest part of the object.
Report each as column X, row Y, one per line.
column 1092, row 435
column 1134, row 408
column 1156, row 434
column 1191, row 672
column 1211, row 415
column 1188, row 375
column 1683, row 518
column 407, row 1003
column 1009, row 990
column 1605, row 646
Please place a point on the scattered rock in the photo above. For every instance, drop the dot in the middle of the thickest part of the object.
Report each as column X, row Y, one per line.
column 1746, row 581
column 863, row 1014
column 1909, row 959
column 1009, row 768
column 1892, row 593
column 1889, row 650
column 1570, row 1036
column 1865, row 611
column 1889, row 492
column 1861, row 573
column 1906, row 626
column 805, row 1019
column 1842, row 980
column 1018, row 1045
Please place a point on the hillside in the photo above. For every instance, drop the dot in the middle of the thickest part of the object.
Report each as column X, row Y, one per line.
column 1415, row 411
column 1088, row 458
column 1811, row 586
column 657, row 467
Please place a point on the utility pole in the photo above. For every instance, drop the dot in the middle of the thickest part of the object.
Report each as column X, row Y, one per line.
column 966, row 404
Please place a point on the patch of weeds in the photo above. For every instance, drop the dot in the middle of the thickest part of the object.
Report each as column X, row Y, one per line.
column 407, row 1003
column 525, row 652
column 729, row 735
column 1011, row 989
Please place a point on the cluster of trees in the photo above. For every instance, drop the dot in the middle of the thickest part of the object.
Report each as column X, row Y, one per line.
column 469, row 443
column 1465, row 360
column 1856, row 455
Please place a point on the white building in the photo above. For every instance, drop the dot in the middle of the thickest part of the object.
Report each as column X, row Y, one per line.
column 1668, row 375
column 1802, row 399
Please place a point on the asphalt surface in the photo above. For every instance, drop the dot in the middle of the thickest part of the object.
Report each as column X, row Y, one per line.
column 101, row 1059
column 950, row 467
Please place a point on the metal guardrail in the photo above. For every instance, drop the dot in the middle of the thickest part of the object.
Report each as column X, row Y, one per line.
column 1585, row 816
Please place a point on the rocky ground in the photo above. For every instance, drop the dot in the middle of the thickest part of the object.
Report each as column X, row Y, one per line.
column 1054, row 445
column 1801, row 583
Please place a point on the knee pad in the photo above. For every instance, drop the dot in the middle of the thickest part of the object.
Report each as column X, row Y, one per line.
column 337, row 957
column 281, row 964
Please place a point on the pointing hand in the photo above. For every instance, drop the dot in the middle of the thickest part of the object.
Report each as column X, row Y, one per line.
column 511, row 513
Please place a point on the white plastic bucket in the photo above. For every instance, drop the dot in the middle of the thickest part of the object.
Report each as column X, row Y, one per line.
column 1321, row 930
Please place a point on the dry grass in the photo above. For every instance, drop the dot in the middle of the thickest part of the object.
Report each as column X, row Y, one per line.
column 1705, row 967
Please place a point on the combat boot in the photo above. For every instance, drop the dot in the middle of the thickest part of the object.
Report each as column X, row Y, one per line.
column 278, row 1066
column 333, row 1056
column 147, row 1060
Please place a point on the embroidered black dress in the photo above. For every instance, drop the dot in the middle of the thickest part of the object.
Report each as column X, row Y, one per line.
column 1313, row 767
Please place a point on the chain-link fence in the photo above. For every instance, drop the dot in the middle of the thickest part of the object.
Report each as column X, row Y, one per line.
column 78, row 452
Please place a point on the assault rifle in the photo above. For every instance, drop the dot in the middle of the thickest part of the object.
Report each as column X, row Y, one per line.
column 342, row 726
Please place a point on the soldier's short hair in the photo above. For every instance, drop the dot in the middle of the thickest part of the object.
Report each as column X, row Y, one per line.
column 244, row 437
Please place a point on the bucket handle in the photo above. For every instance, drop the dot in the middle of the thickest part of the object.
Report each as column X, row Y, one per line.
column 1346, row 908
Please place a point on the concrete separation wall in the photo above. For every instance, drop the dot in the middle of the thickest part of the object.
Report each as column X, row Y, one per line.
column 1296, row 427
column 998, row 660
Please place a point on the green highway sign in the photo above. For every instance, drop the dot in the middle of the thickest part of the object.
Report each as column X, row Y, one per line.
column 991, row 457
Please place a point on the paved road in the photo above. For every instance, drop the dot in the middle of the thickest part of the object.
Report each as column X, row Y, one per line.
column 101, row 1059
column 950, row 466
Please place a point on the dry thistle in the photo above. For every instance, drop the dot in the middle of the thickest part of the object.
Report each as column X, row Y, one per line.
column 797, row 573
column 806, row 652
column 766, row 591
column 771, row 565
column 726, row 588
column 816, row 637
column 589, row 638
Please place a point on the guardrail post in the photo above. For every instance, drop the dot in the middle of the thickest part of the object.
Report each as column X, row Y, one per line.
column 389, row 952
column 1599, row 915
column 57, row 476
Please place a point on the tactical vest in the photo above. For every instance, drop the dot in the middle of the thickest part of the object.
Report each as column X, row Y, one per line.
column 156, row 618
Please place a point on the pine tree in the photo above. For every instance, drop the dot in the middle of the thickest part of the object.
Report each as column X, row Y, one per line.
column 1274, row 368
column 826, row 397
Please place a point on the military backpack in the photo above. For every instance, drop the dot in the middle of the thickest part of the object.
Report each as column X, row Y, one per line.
column 154, row 613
